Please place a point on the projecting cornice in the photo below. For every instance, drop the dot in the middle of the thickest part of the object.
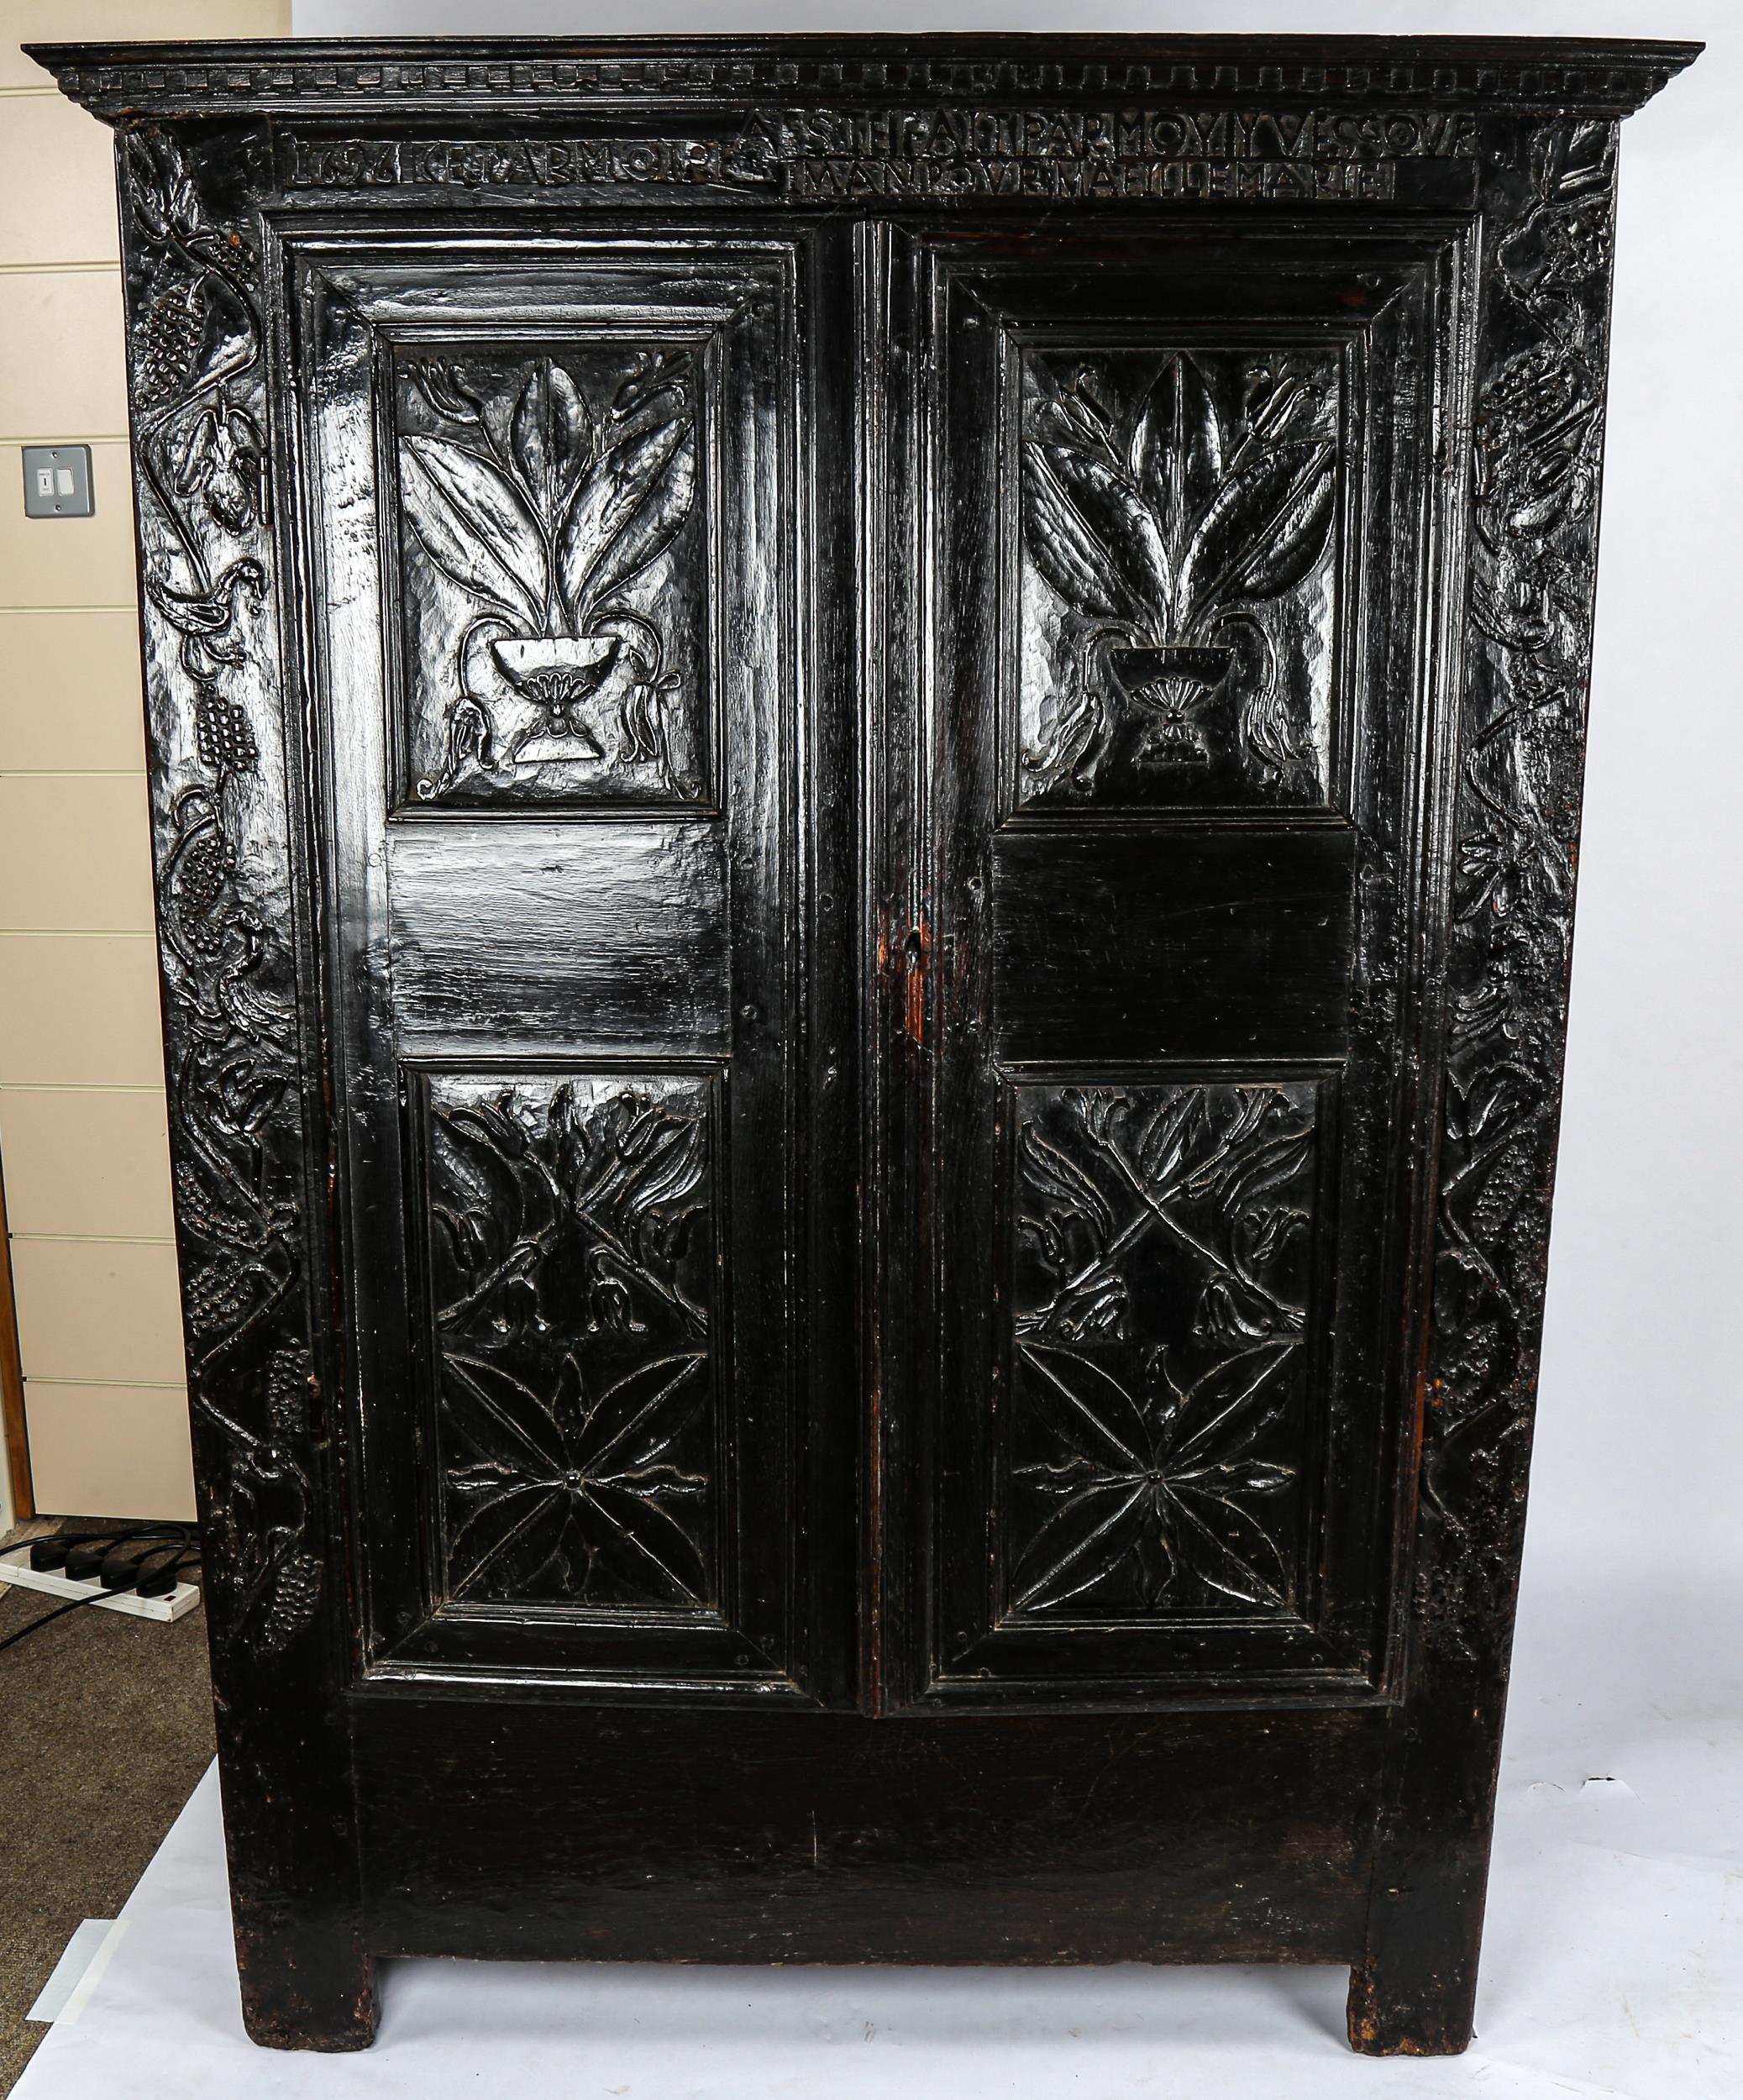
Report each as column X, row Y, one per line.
column 1607, row 77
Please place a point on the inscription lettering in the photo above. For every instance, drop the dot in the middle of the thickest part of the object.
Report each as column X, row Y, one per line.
column 808, row 155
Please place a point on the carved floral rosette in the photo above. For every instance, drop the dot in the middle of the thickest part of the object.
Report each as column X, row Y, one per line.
column 225, row 932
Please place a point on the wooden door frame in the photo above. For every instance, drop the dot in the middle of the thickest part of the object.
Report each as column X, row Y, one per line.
column 12, row 1380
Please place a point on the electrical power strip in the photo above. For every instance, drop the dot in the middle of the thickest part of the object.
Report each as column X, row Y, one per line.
column 180, row 1600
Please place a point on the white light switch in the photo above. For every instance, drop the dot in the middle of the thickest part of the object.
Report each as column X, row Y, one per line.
column 57, row 482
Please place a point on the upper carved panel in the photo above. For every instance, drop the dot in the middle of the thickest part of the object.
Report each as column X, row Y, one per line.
column 1180, row 589
column 552, row 553
column 1159, row 1329
column 571, row 1252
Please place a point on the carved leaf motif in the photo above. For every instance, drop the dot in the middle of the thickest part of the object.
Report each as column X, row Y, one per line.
column 1065, row 551
column 1116, row 519
column 1167, row 527
column 198, row 393
column 1534, row 556
column 1265, row 529
column 1100, row 1422
column 549, row 511
column 497, row 1206
column 1159, row 1319
column 628, row 507
column 1098, row 1524
column 474, row 525
column 551, row 435
column 571, row 1263
column 1176, row 451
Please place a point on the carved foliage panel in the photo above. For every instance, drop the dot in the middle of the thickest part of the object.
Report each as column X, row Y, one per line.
column 572, row 1250
column 553, row 556
column 1159, row 1340
column 1537, row 459
column 1178, row 574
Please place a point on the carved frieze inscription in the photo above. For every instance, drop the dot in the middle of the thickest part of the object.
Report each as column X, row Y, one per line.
column 571, row 1251
column 1178, row 591
column 1156, row 1462
column 552, row 558
column 947, row 152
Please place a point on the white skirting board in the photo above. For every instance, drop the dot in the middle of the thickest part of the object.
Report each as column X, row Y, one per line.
column 1613, row 1966
column 176, row 1605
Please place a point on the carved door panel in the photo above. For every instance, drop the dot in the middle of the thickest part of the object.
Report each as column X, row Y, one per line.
column 551, row 499
column 1175, row 581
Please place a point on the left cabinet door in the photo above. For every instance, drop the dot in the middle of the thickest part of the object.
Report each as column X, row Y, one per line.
column 557, row 688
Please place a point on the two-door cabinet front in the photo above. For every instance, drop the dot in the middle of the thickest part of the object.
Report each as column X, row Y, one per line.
column 866, row 764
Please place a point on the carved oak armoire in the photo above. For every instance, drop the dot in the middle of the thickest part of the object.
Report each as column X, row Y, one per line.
column 866, row 759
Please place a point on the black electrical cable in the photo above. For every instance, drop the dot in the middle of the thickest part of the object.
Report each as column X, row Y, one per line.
column 59, row 1611
column 181, row 1540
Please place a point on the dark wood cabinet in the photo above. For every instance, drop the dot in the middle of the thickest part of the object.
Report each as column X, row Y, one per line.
column 866, row 764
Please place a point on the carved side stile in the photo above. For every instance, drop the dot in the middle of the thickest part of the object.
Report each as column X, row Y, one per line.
column 1537, row 438
column 204, row 482
column 237, row 1091
column 1538, row 441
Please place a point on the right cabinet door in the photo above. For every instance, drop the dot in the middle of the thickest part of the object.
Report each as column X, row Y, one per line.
column 1177, row 574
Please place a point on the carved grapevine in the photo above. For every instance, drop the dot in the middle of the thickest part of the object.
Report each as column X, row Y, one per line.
column 234, row 1073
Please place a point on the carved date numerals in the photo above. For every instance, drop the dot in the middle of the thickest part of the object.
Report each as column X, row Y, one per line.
column 571, row 1243
column 1178, row 585
column 1159, row 1330
column 551, row 552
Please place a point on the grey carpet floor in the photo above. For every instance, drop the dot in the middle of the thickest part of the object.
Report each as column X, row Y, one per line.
column 106, row 1725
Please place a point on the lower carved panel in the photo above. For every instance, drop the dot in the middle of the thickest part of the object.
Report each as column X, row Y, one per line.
column 571, row 1249
column 1157, row 1461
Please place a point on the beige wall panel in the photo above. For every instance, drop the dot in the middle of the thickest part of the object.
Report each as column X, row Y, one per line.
column 57, row 182
column 102, row 1309
column 70, row 561
column 78, row 1011
column 107, row 1451
column 86, row 1162
column 75, row 853
column 70, row 694
column 63, row 366
column 75, row 21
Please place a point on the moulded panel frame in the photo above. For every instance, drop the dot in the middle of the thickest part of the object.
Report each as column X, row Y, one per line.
column 1110, row 1656
column 628, row 326
column 1060, row 340
column 369, row 262
column 1426, row 263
